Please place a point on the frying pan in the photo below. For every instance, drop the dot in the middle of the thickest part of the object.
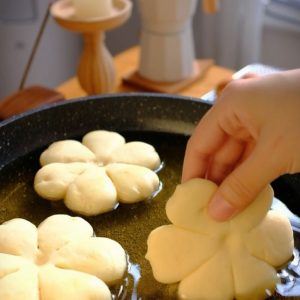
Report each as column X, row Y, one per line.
column 165, row 121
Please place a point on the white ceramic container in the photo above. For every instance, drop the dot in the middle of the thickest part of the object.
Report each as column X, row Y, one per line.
column 167, row 42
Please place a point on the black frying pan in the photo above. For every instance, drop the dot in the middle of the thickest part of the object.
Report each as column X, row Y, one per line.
column 163, row 120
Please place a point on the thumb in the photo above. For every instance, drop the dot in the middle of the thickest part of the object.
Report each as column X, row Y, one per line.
column 242, row 186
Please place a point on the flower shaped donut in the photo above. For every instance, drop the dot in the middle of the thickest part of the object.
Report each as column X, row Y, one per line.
column 236, row 259
column 93, row 176
column 61, row 259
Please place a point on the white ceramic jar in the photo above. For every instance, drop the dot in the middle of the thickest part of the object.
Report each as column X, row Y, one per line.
column 167, row 42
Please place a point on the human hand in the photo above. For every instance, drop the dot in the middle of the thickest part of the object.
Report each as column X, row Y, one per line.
column 246, row 140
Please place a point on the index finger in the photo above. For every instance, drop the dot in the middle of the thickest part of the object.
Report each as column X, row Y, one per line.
column 207, row 138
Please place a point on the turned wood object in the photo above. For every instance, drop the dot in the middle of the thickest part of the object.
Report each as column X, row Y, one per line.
column 96, row 70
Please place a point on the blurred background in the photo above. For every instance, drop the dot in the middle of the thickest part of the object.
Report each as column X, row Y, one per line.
column 241, row 33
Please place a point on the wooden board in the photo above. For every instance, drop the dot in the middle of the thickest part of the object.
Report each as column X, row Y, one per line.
column 135, row 79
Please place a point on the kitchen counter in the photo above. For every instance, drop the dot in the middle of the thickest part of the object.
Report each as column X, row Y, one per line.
column 127, row 61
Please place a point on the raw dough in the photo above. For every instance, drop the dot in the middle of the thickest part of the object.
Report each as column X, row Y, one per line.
column 236, row 259
column 59, row 259
column 133, row 183
column 93, row 176
column 67, row 151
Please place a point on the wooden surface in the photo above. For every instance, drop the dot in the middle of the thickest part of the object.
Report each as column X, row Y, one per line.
column 26, row 99
column 199, row 70
column 96, row 71
column 127, row 62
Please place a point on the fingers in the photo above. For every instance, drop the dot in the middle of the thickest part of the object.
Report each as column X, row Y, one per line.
column 225, row 159
column 211, row 152
column 240, row 188
column 251, row 111
column 205, row 141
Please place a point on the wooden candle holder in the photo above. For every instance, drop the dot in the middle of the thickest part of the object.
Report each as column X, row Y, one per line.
column 96, row 71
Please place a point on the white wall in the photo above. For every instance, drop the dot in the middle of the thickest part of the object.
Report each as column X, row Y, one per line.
column 56, row 58
column 281, row 36
column 243, row 33
column 286, row 53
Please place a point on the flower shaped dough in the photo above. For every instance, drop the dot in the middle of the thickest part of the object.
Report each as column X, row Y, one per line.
column 94, row 175
column 236, row 259
column 61, row 259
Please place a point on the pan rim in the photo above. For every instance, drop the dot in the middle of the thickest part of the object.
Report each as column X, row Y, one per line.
column 41, row 126
column 65, row 102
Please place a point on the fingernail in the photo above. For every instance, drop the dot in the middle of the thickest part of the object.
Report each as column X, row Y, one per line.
column 220, row 209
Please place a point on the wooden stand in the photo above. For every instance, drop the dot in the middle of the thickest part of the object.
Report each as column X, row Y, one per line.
column 135, row 79
column 96, row 71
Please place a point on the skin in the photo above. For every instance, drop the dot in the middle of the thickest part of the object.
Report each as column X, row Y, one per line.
column 247, row 139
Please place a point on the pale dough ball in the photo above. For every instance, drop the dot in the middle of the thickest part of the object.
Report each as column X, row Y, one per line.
column 133, row 183
column 66, row 151
column 20, row 285
column 59, row 284
column 58, row 230
column 10, row 263
column 137, row 153
column 102, row 143
column 274, row 233
column 99, row 256
column 204, row 283
column 52, row 181
column 185, row 247
column 192, row 214
column 91, row 193
column 19, row 237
